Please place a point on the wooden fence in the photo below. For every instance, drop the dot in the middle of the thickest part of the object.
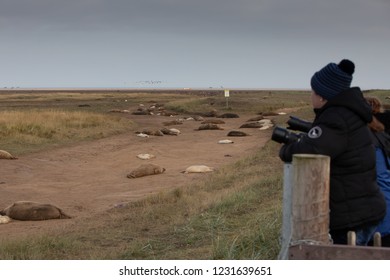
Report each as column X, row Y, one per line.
column 305, row 228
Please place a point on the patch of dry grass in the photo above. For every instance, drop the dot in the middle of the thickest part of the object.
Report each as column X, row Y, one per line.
column 249, row 102
column 31, row 130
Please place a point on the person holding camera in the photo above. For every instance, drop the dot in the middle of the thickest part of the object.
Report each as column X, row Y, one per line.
column 340, row 131
column 381, row 139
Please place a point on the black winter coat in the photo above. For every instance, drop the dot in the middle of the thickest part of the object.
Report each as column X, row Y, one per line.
column 340, row 131
column 384, row 117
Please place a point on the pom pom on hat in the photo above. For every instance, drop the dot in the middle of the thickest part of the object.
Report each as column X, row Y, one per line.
column 347, row 66
column 333, row 79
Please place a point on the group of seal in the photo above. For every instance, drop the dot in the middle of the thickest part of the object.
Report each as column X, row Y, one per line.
column 153, row 169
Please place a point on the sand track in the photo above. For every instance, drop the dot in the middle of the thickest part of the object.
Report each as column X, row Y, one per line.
column 90, row 178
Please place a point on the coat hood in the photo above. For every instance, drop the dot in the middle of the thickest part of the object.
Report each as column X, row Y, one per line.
column 353, row 100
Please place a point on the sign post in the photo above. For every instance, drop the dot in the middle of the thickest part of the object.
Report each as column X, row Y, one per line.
column 227, row 98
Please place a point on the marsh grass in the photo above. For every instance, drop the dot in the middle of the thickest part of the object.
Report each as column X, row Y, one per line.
column 243, row 102
column 98, row 102
column 31, row 130
column 51, row 247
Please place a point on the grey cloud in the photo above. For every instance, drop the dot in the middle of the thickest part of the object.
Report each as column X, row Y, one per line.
column 256, row 17
column 171, row 15
column 107, row 41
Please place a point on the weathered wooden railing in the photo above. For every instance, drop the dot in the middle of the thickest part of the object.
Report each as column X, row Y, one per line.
column 305, row 228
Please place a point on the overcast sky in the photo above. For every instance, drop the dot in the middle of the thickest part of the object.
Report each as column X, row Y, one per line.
column 191, row 43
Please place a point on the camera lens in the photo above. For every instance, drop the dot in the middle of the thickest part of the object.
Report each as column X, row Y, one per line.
column 282, row 135
column 279, row 135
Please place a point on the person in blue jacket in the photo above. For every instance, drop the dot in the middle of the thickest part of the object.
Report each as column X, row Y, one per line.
column 340, row 131
column 381, row 141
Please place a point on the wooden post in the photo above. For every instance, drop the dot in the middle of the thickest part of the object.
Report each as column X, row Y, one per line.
column 377, row 240
column 309, row 223
column 310, row 198
column 351, row 237
column 286, row 220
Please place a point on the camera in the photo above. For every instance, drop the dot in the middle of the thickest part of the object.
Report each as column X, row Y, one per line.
column 298, row 124
column 282, row 135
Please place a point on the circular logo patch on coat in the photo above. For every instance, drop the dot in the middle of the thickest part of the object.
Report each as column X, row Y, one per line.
column 315, row 132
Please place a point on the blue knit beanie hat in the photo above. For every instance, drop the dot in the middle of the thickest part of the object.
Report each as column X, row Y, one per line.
column 333, row 79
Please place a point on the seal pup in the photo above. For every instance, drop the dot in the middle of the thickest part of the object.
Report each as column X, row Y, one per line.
column 170, row 131
column 4, row 219
column 237, row 133
column 6, row 155
column 198, row 169
column 145, row 156
column 225, row 141
column 251, row 125
column 143, row 135
column 228, row 115
column 33, row 211
column 209, row 126
column 145, row 170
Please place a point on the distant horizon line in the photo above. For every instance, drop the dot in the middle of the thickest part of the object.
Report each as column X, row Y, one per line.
column 147, row 88
column 159, row 88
